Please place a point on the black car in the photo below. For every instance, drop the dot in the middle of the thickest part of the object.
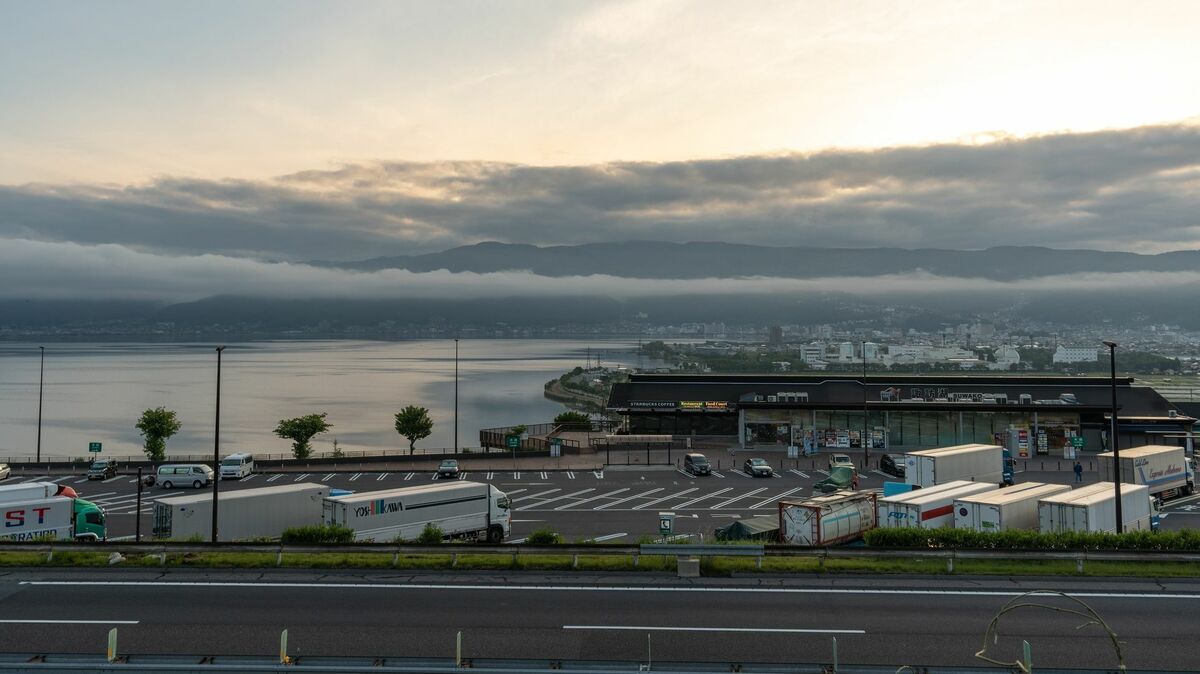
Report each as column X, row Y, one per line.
column 892, row 465
column 102, row 469
column 696, row 464
column 757, row 468
column 448, row 468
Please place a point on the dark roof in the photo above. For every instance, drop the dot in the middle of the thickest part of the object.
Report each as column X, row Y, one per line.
column 843, row 390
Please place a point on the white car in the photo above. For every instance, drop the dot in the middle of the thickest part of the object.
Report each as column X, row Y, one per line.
column 5, row 471
column 837, row 460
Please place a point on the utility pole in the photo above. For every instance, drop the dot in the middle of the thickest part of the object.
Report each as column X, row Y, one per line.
column 1112, row 359
column 455, row 396
column 866, row 441
column 41, row 385
column 217, row 448
column 137, row 512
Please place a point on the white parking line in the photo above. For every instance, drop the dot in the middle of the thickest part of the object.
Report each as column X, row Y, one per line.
column 274, row 477
column 133, row 481
column 557, row 498
column 823, row 472
column 599, row 474
column 300, row 478
column 550, row 491
column 774, row 474
column 591, row 498
column 80, row 481
column 111, row 479
column 489, row 475
column 683, row 473
column 514, row 491
column 655, row 628
column 435, row 476
column 570, row 475
column 785, row 494
column 381, row 476
column 605, row 537
column 748, row 494
column 544, row 475
column 249, row 477
column 665, row 498
column 64, row 477
column 627, row 498
column 355, row 476
column 68, row 622
column 861, row 476
column 720, row 475
column 701, row 498
column 327, row 478
column 884, row 475
column 409, row 477
column 516, row 475
column 740, row 473
column 462, row 476
column 793, row 470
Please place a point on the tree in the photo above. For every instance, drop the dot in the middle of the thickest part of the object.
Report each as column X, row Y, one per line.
column 156, row 426
column 301, row 431
column 413, row 423
column 572, row 418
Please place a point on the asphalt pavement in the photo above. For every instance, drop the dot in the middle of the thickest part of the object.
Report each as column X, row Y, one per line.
column 630, row 617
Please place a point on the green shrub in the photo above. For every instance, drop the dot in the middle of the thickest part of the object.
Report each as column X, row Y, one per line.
column 544, row 536
column 572, row 418
column 430, row 535
column 333, row 533
column 1185, row 540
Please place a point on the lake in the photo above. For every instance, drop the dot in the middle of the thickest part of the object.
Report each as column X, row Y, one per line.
column 96, row 392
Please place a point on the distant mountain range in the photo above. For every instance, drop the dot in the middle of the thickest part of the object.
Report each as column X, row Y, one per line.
column 660, row 260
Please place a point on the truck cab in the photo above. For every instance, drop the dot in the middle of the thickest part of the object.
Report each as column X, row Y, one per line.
column 89, row 521
column 501, row 517
column 1007, row 473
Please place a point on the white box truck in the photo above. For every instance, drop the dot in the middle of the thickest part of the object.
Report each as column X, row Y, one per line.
column 930, row 509
column 1092, row 509
column 1012, row 508
column 977, row 463
column 460, row 509
column 1163, row 469
column 58, row 518
column 883, row 505
column 827, row 519
column 263, row 512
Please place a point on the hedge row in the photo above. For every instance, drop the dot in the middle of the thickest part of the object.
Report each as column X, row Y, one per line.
column 1185, row 540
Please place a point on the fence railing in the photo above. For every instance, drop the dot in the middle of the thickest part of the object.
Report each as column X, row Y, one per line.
column 260, row 457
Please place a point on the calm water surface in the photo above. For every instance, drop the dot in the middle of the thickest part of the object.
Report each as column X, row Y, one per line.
column 95, row 392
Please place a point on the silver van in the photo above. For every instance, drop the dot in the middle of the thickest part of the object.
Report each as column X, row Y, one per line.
column 195, row 475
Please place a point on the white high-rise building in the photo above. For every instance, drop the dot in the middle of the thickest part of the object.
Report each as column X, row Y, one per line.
column 1071, row 354
column 846, row 351
column 870, row 351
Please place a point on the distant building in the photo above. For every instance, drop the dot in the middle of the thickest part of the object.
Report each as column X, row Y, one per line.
column 1070, row 354
column 870, row 351
column 1006, row 357
column 846, row 351
column 813, row 352
column 781, row 366
column 775, row 336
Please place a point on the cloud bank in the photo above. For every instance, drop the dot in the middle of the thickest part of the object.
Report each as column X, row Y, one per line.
column 1132, row 190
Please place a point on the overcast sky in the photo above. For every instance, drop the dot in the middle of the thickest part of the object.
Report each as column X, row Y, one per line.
column 289, row 131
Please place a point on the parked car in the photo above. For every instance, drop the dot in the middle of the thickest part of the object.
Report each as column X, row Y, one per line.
column 890, row 465
column 102, row 469
column 836, row 460
column 184, row 474
column 757, row 468
column 448, row 468
column 696, row 464
column 5, row 471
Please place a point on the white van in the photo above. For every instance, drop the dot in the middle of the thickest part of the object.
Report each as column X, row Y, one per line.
column 237, row 466
column 195, row 475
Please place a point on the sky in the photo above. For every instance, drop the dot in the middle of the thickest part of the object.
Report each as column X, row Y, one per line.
column 271, row 132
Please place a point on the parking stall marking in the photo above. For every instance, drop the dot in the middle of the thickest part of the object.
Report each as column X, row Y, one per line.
column 748, row 494
column 627, row 499
column 570, row 475
column 557, row 498
column 133, row 481
column 784, row 495
column 514, row 491
column 275, row 477
column 516, row 475
column 720, row 475
column 861, row 476
column 381, row 476
column 599, row 474
column 665, row 498
column 683, row 473
column 111, row 479
column 409, row 477
column 355, row 476
column 740, row 473
column 300, row 478
column 798, row 472
column 543, row 493
column 592, row 498
column 327, row 478
column 249, row 477
column 823, row 472
column 701, row 498
column 462, row 476
column 64, row 477
column 80, row 481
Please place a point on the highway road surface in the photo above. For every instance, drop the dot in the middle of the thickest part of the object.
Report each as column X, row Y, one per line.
column 876, row 620
column 608, row 505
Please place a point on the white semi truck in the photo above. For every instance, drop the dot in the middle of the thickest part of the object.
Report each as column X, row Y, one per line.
column 461, row 509
column 1013, row 508
column 1093, row 509
column 977, row 463
column 56, row 518
column 263, row 512
column 1163, row 469
column 827, row 519
column 928, row 508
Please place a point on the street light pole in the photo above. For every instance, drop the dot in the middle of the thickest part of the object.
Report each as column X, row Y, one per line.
column 866, row 442
column 456, row 396
column 41, row 384
column 1112, row 434
column 217, row 447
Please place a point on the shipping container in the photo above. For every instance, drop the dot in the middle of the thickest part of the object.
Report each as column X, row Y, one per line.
column 263, row 512
column 1012, row 508
column 1163, row 469
column 828, row 519
column 460, row 509
column 1092, row 509
column 977, row 463
column 930, row 509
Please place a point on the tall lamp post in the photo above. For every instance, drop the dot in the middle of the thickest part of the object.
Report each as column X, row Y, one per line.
column 217, row 447
column 1112, row 433
column 41, row 383
column 866, row 440
column 456, row 396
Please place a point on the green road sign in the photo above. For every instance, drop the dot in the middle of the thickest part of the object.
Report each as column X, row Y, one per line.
column 1077, row 442
column 513, row 442
column 93, row 446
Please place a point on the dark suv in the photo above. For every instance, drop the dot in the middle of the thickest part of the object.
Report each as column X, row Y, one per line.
column 757, row 468
column 696, row 464
column 102, row 469
column 890, row 465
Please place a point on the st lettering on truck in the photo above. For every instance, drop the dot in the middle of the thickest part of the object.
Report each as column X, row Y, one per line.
column 470, row 510
column 58, row 518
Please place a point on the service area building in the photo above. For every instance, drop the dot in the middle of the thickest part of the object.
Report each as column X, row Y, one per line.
column 1032, row 415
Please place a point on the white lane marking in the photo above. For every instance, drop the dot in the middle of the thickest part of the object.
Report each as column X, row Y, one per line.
column 381, row 476
column 793, row 470
column 627, row 498
column 591, row 498
column 80, row 481
column 557, row 498
column 544, row 475
column 774, row 474
column 863, row 477
column 748, row 494
column 274, row 477
column 462, row 476
column 516, row 541
column 93, row 497
column 301, row 477
column 543, row 493
column 327, row 478
column 570, row 475
column 701, row 498
column 64, row 477
column 684, row 473
column 606, row 537
column 489, row 475
column 111, row 479
column 599, row 474
column 765, row 630
column 355, row 476
column 516, row 475
column 720, row 475
column 664, row 498
column 740, row 473
column 18, row 621
column 610, row 588
column 785, row 494
column 249, row 477
column 409, row 477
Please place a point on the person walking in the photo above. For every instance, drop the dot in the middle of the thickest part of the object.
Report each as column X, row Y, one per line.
column 1078, row 472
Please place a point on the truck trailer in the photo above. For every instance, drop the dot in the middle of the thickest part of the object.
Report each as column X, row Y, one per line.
column 1013, row 508
column 929, row 508
column 1092, row 509
column 263, row 512
column 1163, row 469
column 976, row 463
column 470, row 510
column 58, row 518
column 828, row 519
column 34, row 490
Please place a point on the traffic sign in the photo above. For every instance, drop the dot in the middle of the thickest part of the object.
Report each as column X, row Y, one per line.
column 1077, row 442
column 513, row 442
column 93, row 446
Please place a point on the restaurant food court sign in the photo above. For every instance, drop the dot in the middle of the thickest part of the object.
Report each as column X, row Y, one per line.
column 682, row 405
